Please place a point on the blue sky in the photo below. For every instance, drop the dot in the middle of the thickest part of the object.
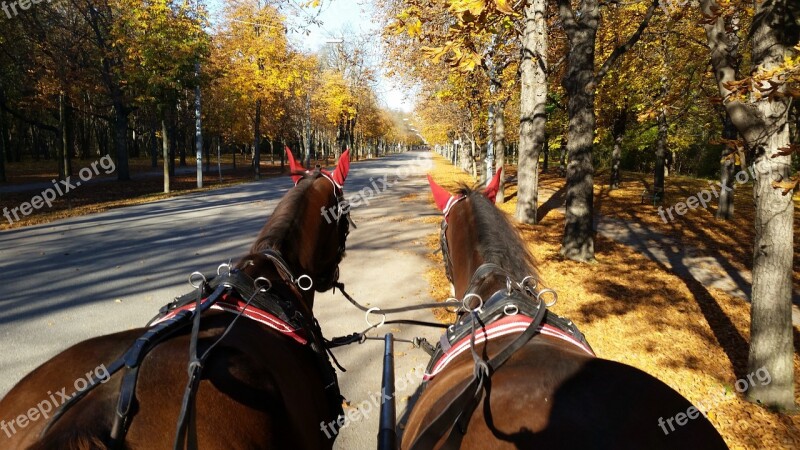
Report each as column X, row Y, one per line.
column 336, row 17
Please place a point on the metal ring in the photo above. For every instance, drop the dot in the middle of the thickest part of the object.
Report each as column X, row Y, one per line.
column 508, row 285
column 456, row 304
column 526, row 283
column 466, row 305
column 300, row 285
column 511, row 307
column 547, row 291
column 261, row 288
column 370, row 311
column 226, row 265
column 194, row 276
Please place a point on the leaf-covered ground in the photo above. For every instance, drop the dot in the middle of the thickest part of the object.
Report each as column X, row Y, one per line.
column 635, row 311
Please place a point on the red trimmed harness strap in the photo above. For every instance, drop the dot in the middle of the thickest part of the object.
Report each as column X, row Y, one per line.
column 505, row 326
column 231, row 303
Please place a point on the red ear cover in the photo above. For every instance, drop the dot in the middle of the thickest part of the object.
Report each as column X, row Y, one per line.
column 494, row 186
column 342, row 168
column 440, row 194
column 294, row 166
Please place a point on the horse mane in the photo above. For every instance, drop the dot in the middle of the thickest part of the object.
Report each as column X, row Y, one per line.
column 286, row 218
column 499, row 242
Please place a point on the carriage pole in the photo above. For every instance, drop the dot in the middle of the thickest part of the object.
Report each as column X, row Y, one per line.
column 387, row 434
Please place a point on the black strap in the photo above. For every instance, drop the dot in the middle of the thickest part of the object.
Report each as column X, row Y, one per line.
column 457, row 413
column 340, row 286
column 186, row 419
column 136, row 352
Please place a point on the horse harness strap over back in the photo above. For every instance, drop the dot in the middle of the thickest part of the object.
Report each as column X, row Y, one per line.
column 221, row 293
column 507, row 311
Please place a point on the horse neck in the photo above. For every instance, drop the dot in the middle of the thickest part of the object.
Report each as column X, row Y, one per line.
column 292, row 245
column 465, row 254
column 470, row 256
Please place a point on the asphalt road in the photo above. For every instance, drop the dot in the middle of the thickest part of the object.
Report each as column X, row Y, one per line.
column 86, row 276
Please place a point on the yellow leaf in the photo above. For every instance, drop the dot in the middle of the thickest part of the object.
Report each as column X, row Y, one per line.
column 504, row 7
column 414, row 28
column 475, row 7
column 787, row 185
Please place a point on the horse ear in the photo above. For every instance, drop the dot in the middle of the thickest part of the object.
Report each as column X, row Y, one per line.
column 294, row 166
column 342, row 168
column 494, row 186
column 440, row 194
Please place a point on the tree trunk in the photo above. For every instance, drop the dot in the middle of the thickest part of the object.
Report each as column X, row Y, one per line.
column 618, row 131
column 4, row 150
column 533, row 99
column 579, row 83
column 165, row 141
column 765, row 129
column 121, row 141
column 65, row 144
column 488, row 154
column 725, row 208
column 207, row 144
column 727, row 171
column 271, row 152
column 499, row 149
column 283, row 155
column 771, row 321
column 257, row 141
column 154, row 144
column 5, row 130
column 182, row 153
column 661, row 155
column 546, row 151
column 473, row 158
column 173, row 140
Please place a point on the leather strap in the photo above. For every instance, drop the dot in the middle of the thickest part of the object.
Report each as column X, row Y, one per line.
column 131, row 360
column 455, row 417
column 186, row 418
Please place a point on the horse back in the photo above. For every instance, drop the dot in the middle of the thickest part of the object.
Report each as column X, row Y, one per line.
column 239, row 401
column 549, row 395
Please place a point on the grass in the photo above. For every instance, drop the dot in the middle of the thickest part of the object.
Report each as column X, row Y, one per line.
column 636, row 311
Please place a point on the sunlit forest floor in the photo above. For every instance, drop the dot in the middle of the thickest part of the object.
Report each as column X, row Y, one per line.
column 147, row 185
column 638, row 312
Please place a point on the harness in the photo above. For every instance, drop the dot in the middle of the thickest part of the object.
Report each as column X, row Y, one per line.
column 505, row 313
column 226, row 292
column 519, row 309
column 443, row 237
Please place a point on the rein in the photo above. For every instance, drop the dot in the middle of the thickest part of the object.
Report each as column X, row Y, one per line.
column 257, row 294
column 453, row 420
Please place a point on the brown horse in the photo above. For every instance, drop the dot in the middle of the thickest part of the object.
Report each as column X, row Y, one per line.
column 539, row 383
column 263, row 386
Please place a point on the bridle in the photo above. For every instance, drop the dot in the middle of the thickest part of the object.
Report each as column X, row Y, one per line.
column 448, row 263
column 343, row 222
column 208, row 292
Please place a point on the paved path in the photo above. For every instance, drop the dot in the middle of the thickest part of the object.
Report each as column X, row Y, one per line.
column 81, row 277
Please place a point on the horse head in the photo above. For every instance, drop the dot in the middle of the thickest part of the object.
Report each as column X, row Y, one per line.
column 307, row 231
